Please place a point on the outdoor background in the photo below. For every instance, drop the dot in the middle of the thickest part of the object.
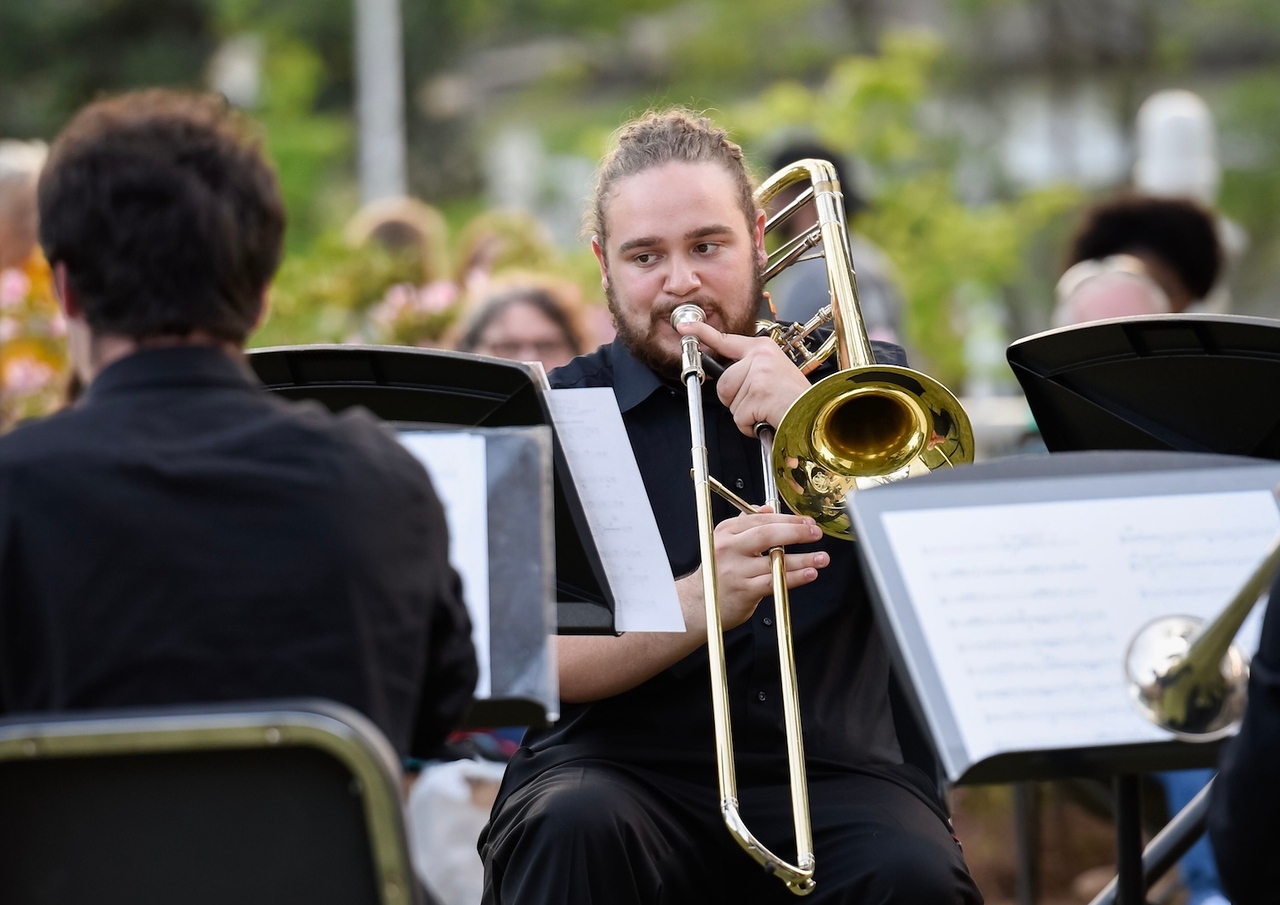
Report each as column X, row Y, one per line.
column 980, row 130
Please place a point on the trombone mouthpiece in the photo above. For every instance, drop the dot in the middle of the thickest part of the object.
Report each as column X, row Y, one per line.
column 687, row 314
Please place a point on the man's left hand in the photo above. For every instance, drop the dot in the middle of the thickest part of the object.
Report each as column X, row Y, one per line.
column 760, row 383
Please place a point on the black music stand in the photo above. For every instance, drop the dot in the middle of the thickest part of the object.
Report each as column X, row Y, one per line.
column 1186, row 382
column 410, row 386
column 904, row 606
column 1195, row 383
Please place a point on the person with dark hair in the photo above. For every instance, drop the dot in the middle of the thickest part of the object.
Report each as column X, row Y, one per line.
column 801, row 290
column 179, row 535
column 1172, row 241
column 524, row 320
column 618, row 802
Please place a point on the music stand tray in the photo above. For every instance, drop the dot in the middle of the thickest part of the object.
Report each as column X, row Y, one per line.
column 1192, row 382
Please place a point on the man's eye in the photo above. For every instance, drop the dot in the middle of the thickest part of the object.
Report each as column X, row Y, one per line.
column 644, row 258
column 704, row 248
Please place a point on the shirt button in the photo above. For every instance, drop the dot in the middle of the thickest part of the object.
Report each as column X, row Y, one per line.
column 761, row 696
column 768, row 620
column 739, row 483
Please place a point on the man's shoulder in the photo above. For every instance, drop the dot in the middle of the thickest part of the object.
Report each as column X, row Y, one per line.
column 594, row 369
column 366, row 444
column 38, row 439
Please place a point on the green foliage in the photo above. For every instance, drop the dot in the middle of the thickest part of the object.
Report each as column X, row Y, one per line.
column 321, row 294
column 944, row 250
column 56, row 57
column 312, row 150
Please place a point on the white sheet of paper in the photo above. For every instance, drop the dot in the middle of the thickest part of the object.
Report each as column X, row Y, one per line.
column 1028, row 608
column 604, row 470
column 456, row 463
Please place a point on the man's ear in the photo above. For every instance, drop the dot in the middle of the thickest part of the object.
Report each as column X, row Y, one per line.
column 598, row 250
column 68, row 298
column 264, row 309
column 761, row 254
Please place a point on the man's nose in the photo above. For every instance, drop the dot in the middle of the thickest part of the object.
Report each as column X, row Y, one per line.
column 682, row 277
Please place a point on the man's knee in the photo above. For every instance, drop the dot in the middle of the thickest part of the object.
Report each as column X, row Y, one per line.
column 910, row 870
column 573, row 804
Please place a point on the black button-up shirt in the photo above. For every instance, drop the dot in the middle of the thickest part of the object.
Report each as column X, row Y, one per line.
column 666, row 722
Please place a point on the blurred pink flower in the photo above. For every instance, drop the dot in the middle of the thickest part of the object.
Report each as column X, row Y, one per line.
column 437, row 296
column 25, row 376
column 14, row 286
column 9, row 327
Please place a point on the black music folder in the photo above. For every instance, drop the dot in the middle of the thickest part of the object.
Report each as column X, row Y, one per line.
column 1192, row 382
column 1008, row 593
column 410, row 386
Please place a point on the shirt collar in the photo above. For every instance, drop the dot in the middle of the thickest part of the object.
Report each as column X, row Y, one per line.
column 170, row 367
column 633, row 382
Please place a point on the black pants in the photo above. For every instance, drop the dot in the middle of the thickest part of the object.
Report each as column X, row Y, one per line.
column 592, row 832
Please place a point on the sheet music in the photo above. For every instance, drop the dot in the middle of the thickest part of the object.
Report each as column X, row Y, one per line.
column 604, row 470
column 456, row 463
column 1028, row 608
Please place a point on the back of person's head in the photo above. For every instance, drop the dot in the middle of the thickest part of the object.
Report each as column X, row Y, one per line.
column 661, row 137
column 165, row 214
column 803, row 149
column 404, row 226
column 1176, row 238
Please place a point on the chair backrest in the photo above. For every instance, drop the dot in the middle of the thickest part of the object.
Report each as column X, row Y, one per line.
column 264, row 802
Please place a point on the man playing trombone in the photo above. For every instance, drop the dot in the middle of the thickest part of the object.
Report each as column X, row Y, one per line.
column 618, row 803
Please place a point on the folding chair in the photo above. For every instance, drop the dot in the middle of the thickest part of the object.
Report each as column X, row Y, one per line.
column 288, row 801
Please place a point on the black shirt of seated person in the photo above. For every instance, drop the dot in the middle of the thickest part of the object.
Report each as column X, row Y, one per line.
column 1244, row 811
column 658, row 737
column 181, row 536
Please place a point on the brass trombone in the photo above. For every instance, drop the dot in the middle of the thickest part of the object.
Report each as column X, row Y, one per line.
column 1187, row 676
column 866, row 424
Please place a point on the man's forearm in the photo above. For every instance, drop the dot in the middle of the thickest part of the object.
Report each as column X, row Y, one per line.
column 593, row 667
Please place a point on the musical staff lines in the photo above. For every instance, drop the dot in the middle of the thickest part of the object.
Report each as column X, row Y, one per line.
column 1027, row 608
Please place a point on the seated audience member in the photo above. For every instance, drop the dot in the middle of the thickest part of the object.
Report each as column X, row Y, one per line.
column 1116, row 286
column 525, row 320
column 1246, row 798
column 179, row 535
column 1169, row 242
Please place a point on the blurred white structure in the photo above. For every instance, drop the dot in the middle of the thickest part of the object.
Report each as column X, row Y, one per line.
column 1177, row 157
column 380, row 99
column 1177, row 148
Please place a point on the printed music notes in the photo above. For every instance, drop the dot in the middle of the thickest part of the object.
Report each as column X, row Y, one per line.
column 1027, row 608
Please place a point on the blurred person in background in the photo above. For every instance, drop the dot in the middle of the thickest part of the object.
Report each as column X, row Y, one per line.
column 1168, row 244
column 801, row 290
column 526, row 318
column 424, row 302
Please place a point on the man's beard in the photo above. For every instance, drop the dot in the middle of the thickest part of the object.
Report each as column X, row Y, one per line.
column 643, row 340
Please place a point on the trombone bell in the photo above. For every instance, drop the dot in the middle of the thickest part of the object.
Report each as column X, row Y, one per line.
column 1163, row 684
